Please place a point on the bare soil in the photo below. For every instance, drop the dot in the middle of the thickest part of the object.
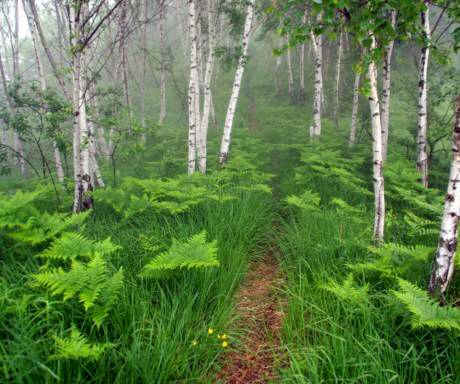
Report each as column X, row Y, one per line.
column 259, row 318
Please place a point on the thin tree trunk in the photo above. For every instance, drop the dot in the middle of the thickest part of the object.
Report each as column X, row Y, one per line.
column 207, row 90
column 279, row 61
column 386, row 89
column 302, row 74
column 193, row 89
column 379, row 183
column 18, row 142
column 43, row 83
column 422, row 158
column 226, row 138
column 444, row 260
column 144, row 65
column 290, row 74
column 354, row 113
column 95, row 171
column 82, row 174
column 315, row 130
column 124, row 60
column 47, row 50
column 162, row 6
column 337, row 79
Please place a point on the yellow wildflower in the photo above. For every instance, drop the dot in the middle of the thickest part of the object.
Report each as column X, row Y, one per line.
column 219, row 336
column 210, row 331
column 225, row 344
column 194, row 343
column 224, row 337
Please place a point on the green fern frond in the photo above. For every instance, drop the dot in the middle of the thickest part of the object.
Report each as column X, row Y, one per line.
column 346, row 208
column 348, row 290
column 308, row 201
column 71, row 245
column 193, row 253
column 41, row 228
column 110, row 291
column 426, row 312
column 90, row 283
column 77, row 347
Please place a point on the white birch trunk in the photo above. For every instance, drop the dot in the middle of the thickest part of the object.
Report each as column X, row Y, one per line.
column 162, row 59
column 422, row 158
column 354, row 113
column 315, row 130
column 81, row 158
column 337, row 79
column 43, row 83
column 49, row 55
column 144, row 66
column 379, row 184
column 202, row 151
column 386, row 90
column 226, row 138
column 18, row 142
column 290, row 73
column 279, row 61
column 124, row 60
column 95, row 171
column 302, row 74
column 193, row 91
column 444, row 260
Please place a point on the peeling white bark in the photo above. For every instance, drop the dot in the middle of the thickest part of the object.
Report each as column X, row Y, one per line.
column 202, row 151
column 422, row 158
column 337, row 79
column 290, row 73
column 162, row 22
column 354, row 113
column 316, row 41
column 379, row 184
column 386, row 90
column 81, row 155
column 43, row 83
column 444, row 260
column 193, row 89
column 226, row 138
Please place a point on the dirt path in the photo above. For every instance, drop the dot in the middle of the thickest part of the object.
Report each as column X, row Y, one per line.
column 259, row 317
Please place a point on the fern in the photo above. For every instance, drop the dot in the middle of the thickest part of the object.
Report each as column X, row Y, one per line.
column 88, row 282
column 394, row 260
column 308, row 201
column 426, row 312
column 348, row 290
column 193, row 253
column 71, row 245
column 77, row 347
column 41, row 228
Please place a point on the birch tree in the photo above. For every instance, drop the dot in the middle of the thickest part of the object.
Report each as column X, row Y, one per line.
column 444, row 259
column 207, row 104
column 316, row 40
column 354, row 113
column 337, row 78
column 379, row 183
column 81, row 36
column 422, row 126
column 193, row 89
column 226, row 138
column 386, row 89
column 43, row 83
column 290, row 73
column 162, row 21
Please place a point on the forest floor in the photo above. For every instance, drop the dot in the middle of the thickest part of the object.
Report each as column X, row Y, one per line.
column 259, row 316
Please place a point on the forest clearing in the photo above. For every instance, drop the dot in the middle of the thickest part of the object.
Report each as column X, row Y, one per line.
column 229, row 191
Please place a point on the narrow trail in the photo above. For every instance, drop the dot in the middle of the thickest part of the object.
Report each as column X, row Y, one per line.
column 259, row 318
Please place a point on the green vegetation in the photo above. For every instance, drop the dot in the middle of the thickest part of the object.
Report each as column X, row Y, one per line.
column 145, row 286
